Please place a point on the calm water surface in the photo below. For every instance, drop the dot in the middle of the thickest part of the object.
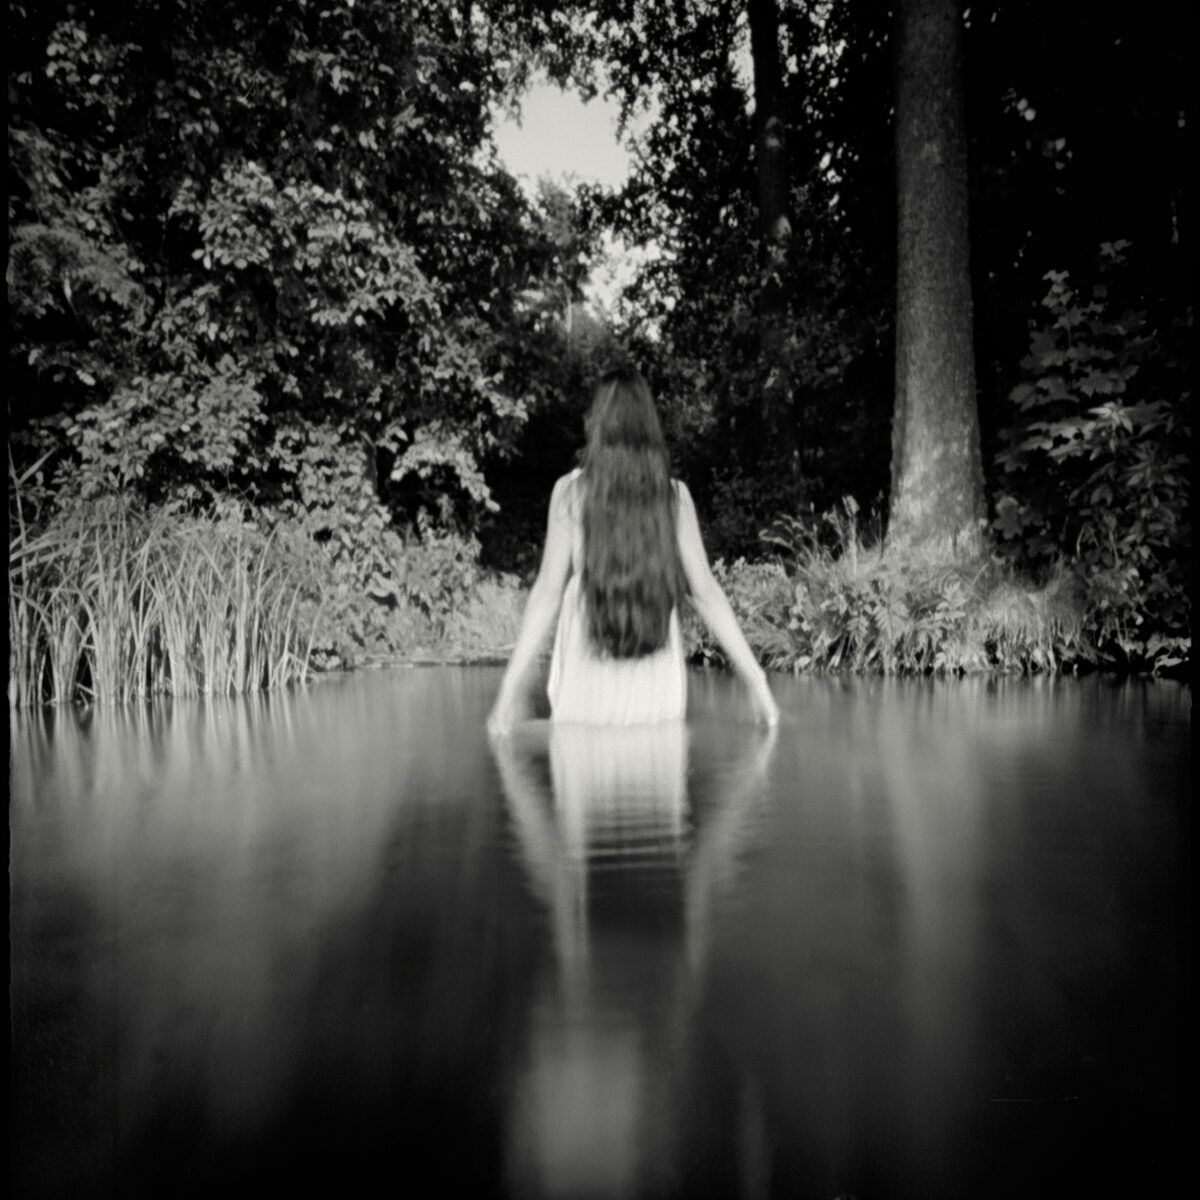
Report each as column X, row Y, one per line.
column 926, row 940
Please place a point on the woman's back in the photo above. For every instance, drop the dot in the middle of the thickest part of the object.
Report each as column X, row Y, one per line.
column 570, row 488
column 588, row 684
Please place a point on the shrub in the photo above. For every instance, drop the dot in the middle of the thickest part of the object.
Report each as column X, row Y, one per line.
column 831, row 601
column 390, row 589
column 108, row 600
column 393, row 593
column 740, row 504
column 758, row 594
column 1094, row 471
column 483, row 625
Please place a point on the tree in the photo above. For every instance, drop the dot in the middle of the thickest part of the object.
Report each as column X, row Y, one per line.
column 265, row 254
column 937, row 500
column 774, row 218
column 768, row 324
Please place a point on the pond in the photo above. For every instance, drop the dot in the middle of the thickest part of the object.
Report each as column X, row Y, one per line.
column 926, row 939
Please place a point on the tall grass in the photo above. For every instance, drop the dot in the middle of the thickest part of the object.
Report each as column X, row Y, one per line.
column 108, row 604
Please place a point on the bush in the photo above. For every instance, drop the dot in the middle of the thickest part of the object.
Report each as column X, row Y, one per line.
column 111, row 600
column 1094, row 471
column 739, row 505
column 484, row 623
column 758, row 594
column 830, row 601
column 400, row 593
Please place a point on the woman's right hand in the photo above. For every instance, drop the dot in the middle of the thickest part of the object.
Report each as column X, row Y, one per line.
column 766, row 710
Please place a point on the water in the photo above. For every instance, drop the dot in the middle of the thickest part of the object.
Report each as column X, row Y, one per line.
column 926, row 940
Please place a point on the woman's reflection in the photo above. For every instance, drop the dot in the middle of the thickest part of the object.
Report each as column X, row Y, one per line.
column 629, row 886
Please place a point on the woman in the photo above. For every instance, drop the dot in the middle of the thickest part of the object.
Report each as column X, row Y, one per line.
column 622, row 547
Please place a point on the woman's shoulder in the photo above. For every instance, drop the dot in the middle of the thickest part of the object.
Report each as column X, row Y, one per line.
column 565, row 484
column 565, row 489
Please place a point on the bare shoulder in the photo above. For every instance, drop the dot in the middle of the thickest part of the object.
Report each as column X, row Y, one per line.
column 562, row 498
column 566, row 484
column 683, row 495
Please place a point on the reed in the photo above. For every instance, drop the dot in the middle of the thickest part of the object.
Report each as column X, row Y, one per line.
column 110, row 604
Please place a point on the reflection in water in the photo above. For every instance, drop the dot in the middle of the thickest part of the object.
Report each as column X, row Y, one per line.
column 948, row 978
column 180, row 872
column 627, row 883
column 926, row 941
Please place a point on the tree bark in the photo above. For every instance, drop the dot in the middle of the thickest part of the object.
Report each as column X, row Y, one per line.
column 775, row 226
column 936, row 507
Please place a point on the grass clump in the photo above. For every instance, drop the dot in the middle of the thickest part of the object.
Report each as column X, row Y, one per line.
column 830, row 600
column 109, row 603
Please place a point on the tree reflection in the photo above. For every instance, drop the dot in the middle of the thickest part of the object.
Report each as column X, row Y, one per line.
column 206, row 897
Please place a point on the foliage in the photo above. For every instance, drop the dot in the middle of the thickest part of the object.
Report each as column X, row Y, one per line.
column 1049, row 179
column 830, row 601
column 265, row 266
column 758, row 593
column 1095, row 470
column 568, row 347
column 1080, row 133
column 392, row 590
column 109, row 603
column 696, row 316
column 246, row 238
column 484, row 623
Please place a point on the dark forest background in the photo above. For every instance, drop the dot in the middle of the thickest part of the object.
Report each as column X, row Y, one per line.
column 268, row 281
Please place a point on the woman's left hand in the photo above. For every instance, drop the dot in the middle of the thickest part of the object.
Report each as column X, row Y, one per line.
column 500, row 721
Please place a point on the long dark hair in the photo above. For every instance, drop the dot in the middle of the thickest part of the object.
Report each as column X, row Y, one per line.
column 632, row 578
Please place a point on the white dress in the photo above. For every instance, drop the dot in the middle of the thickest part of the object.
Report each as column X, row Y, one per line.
column 589, row 688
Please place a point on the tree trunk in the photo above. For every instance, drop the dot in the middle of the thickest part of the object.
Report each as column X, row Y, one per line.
column 937, row 505
column 771, row 166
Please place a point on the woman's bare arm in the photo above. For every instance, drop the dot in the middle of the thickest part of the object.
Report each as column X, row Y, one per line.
column 541, row 609
column 713, row 606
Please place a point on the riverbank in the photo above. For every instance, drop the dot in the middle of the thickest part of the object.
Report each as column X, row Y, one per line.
column 112, row 604
column 859, row 615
